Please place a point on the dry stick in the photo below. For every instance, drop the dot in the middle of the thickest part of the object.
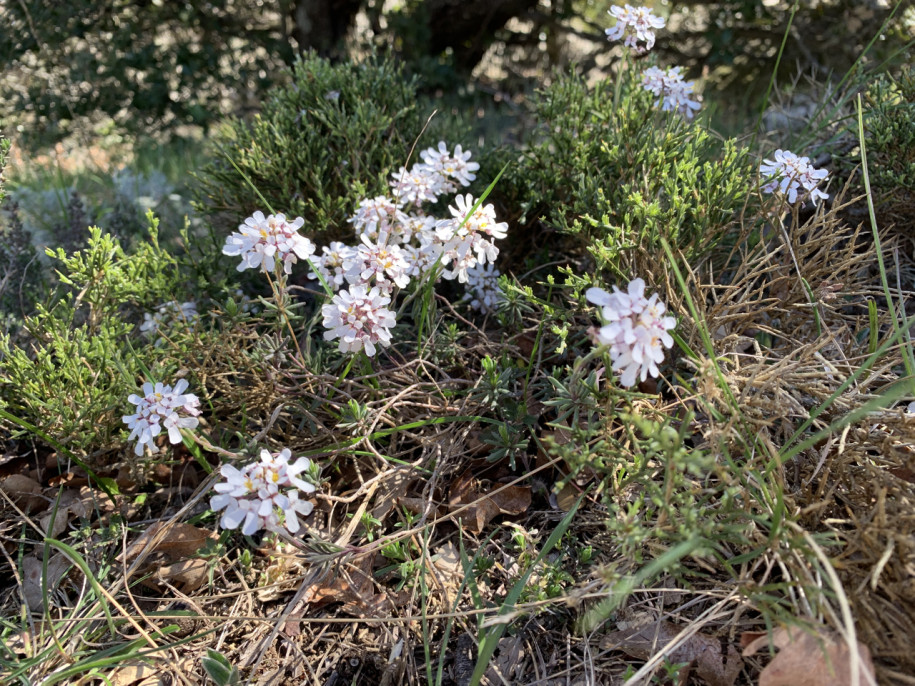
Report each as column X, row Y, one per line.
column 521, row 607
column 359, row 491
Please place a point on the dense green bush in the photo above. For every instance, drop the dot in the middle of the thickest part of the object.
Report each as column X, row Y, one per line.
column 80, row 354
column 889, row 124
column 320, row 144
column 614, row 173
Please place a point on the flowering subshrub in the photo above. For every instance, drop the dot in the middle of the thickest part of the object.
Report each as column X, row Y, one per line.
column 161, row 406
column 635, row 329
column 398, row 242
column 264, row 495
column 792, row 177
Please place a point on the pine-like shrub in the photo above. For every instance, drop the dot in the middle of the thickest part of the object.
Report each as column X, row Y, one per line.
column 889, row 128
column 69, row 370
column 613, row 173
column 321, row 143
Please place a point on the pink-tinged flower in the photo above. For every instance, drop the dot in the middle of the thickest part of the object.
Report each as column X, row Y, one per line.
column 635, row 329
column 673, row 93
column 376, row 216
column 792, row 177
column 296, row 506
column 264, row 495
column 386, row 264
column 332, row 263
column 635, row 25
column 263, row 241
column 465, row 244
column 456, row 167
column 482, row 220
column 419, row 226
column 359, row 318
column 161, row 406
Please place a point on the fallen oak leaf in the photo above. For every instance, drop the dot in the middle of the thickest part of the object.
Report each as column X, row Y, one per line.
column 816, row 657
column 707, row 655
column 353, row 585
column 171, row 558
column 477, row 509
column 25, row 492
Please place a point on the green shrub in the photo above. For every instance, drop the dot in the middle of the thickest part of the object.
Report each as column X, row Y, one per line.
column 320, row 144
column 889, row 124
column 80, row 357
column 614, row 173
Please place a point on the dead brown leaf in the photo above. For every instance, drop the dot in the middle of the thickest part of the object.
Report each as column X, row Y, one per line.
column 566, row 497
column 136, row 673
column 32, row 568
column 479, row 508
column 353, row 585
column 507, row 665
column 707, row 655
column 67, row 506
column 391, row 490
column 418, row 505
column 809, row 658
column 24, row 491
column 170, row 559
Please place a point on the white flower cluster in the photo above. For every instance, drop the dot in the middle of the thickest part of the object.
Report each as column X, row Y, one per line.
column 466, row 237
column 264, row 495
column 483, row 288
column 792, row 177
column 263, row 241
column 161, row 406
column 673, row 93
column 635, row 328
column 398, row 241
column 634, row 25
column 360, row 319
column 168, row 314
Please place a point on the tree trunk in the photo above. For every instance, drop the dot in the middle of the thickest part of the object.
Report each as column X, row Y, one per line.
column 468, row 26
column 321, row 25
